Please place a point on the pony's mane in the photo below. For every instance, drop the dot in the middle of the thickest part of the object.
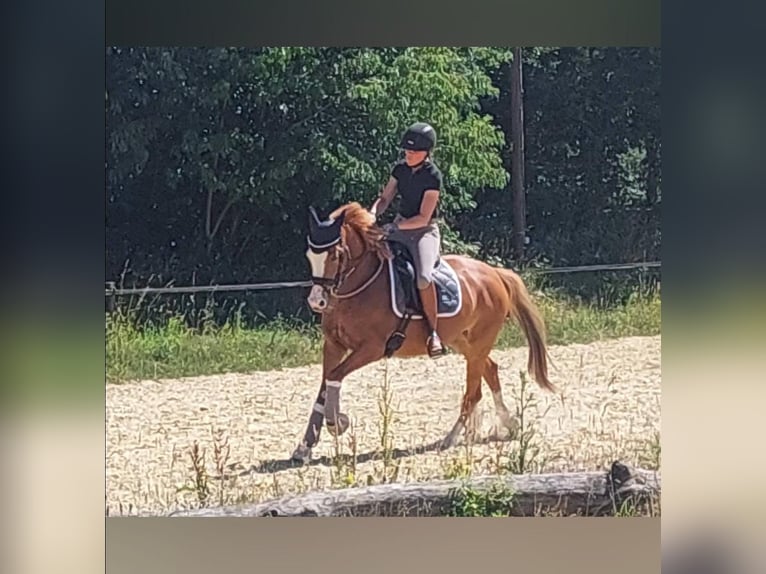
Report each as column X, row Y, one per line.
column 358, row 219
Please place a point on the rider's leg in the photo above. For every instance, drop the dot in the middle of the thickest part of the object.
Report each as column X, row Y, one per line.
column 426, row 255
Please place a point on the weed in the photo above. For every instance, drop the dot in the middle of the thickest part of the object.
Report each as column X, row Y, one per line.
column 221, row 452
column 200, row 478
column 651, row 457
column 526, row 456
column 497, row 500
column 387, row 418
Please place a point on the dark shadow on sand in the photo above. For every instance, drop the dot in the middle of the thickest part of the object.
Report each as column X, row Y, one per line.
column 276, row 465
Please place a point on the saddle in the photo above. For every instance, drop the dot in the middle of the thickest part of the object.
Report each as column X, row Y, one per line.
column 405, row 297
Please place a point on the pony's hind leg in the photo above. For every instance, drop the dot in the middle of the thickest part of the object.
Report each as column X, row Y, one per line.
column 504, row 418
column 471, row 397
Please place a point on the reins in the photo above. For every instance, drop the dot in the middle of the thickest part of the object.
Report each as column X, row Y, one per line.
column 355, row 292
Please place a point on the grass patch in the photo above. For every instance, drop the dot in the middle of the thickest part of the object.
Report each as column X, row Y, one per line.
column 568, row 321
column 175, row 349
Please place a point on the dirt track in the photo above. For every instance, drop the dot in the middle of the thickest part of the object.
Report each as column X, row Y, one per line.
column 611, row 410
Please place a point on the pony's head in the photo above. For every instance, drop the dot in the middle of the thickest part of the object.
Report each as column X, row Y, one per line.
column 336, row 246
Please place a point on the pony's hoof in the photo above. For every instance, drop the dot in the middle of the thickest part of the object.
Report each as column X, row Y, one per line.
column 504, row 432
column 497, row 434
column 340, row 425
column 302, row 454
column 446, row 444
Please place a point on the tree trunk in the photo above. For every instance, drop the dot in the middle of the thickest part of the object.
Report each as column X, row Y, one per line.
column 652, row 172
column 517, row 158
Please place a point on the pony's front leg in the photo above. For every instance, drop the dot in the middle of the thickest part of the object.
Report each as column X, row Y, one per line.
column 332, row 355
column 302, row 452
column 337, row 422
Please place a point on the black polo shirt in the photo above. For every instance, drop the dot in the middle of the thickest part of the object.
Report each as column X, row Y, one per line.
column 412, row 185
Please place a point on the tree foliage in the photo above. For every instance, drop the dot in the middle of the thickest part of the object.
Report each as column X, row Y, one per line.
column 214, row 155
column 592, row 151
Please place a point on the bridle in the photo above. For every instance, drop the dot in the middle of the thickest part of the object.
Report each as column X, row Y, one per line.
column 333, row 285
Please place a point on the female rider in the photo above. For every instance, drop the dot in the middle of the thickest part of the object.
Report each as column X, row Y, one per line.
column 418, row 182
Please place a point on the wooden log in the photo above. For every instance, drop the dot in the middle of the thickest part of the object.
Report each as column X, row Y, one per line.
column 576, row 493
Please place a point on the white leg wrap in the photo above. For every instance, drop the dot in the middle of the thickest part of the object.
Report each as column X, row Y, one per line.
column 332, row 401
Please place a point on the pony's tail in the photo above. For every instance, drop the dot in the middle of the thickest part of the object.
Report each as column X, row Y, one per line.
column 527, row 315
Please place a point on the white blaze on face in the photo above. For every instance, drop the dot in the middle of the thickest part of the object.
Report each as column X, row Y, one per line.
column 317, row 299
column 317, row 262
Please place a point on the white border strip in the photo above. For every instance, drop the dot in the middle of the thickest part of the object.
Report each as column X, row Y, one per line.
column 392, row 288
column 315, row 246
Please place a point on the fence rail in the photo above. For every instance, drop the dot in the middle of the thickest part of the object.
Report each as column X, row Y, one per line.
column 113, row 291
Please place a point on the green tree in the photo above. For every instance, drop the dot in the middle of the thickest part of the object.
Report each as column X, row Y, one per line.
column 214, row 154
column 592, row 127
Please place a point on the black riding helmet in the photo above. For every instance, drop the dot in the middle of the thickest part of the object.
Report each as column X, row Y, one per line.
column 419, row 137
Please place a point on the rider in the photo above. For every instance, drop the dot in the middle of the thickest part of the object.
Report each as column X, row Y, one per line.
column 418, row 182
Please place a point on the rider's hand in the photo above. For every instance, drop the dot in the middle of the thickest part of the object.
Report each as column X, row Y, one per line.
column 389, row 228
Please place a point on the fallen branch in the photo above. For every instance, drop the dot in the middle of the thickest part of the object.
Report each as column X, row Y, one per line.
column 583, row 493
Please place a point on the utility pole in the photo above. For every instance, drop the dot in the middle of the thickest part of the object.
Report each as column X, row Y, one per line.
column 517, row 158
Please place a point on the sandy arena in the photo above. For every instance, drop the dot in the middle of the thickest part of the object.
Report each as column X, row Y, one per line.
column 611, row 410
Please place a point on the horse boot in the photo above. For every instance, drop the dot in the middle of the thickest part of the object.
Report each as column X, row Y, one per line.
column 430, row 310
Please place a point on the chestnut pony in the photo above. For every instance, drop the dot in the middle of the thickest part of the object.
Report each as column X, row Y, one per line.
column 348, row 254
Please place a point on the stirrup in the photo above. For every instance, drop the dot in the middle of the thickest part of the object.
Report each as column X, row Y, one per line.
column 435, row 352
